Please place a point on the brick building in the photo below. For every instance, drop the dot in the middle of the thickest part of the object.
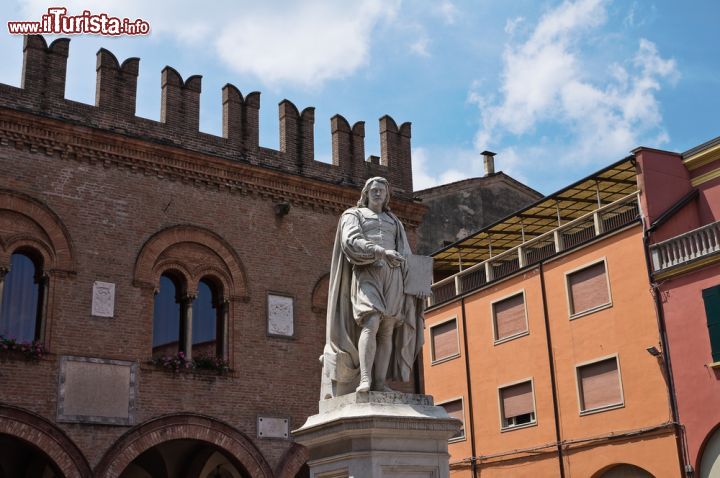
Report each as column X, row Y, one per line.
column 124, row 239
column 539, row 334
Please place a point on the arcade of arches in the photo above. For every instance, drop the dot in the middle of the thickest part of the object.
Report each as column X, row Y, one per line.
column 174, row 446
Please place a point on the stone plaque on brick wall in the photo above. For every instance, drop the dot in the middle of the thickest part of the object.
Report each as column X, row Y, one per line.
column 280, row 315
column 272, row 427
column 103, row 299
column 96, row 391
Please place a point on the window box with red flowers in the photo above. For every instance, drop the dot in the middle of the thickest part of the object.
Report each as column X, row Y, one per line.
column 11, row 349
column 179, row 363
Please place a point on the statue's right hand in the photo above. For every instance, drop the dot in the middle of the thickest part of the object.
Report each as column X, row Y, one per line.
column 394, row 258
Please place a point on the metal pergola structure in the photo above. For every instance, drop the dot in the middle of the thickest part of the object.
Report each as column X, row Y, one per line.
column 603, row 187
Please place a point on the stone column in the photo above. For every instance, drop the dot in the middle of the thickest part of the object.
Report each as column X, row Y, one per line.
column 221, row 334
column 379, row 435
column 42, row 308
column 186, row 316
column 3, row 273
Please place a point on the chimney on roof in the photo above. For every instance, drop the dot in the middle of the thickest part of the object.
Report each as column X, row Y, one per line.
column 489, row 160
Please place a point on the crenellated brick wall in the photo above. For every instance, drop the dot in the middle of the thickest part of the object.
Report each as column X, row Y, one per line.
column 43, row 87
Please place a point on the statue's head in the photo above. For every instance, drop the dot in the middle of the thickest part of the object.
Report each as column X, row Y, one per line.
column 363, row 202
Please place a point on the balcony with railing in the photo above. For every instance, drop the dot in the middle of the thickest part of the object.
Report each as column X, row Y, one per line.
column 686, row 248
column 582, row 230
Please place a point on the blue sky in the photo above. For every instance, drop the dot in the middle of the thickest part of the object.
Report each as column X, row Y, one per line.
column 557, row 89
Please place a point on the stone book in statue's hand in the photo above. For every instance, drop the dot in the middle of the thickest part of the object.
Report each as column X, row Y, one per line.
column 418, row 275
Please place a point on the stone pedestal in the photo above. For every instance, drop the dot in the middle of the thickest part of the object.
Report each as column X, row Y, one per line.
column 378, row 435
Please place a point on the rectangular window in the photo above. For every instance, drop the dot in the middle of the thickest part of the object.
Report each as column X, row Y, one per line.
column 509, row 317
column 454, row 408
column 588, row 289
column 599, row 385
column 711, row 297
column 444, row 340
column 517, row 407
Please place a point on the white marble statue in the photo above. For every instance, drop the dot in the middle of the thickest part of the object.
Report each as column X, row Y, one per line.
column 374, row 329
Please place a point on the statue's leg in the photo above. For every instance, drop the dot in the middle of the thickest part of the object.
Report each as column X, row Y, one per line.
column 367, row 346
column 382, row 354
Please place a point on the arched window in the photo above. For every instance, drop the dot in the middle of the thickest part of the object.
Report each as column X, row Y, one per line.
column 166, row 317
column 193, row 255
column 205, row 320
column 22, row 296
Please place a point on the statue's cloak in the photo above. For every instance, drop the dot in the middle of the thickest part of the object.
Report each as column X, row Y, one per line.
column 341, row 362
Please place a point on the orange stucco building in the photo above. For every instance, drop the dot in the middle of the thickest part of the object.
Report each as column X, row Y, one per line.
column 540, row 342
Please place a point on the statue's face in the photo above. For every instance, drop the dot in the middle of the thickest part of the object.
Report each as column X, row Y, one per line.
column 377, row 195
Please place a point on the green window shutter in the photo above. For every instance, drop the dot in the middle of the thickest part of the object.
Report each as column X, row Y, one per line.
column 711, row 297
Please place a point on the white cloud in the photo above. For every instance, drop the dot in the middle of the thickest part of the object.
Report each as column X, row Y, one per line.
column 420, row 46
column 629, row 20
column 639, row 16
column 512, row 24
column 466, row 163
column 422, row 179
column 510, row 161
column 448, row 11
column 309, row 43
column 303, row 43
column 544, row 84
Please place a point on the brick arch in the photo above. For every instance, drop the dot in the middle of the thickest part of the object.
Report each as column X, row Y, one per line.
column 183, row 427
column 177, row 270
column 215, row 274
column 146, row 275
column 21, row 242
column 24, row 242
column 320, row 294
column 44, row 435
column 58, row 245
column 292, row 461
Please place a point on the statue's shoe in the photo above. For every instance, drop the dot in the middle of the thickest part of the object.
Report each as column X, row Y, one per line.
column 363, row 387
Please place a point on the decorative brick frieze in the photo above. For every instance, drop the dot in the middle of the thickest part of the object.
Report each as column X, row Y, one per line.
column 73, row 142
